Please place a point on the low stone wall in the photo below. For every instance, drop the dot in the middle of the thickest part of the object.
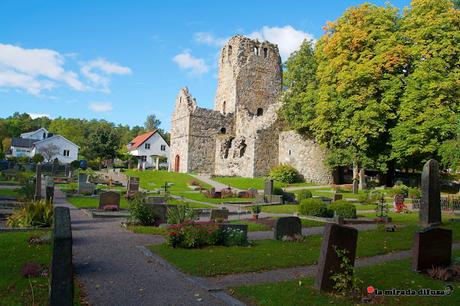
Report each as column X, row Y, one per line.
column 61, row 293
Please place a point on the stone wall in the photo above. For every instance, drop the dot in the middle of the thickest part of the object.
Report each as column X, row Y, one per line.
column 305, row 155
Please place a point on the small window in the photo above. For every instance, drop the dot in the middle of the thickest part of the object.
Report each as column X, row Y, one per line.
column 223, row 130
column 163, row 148
column 265, row 52
column 223, row 107
column 144, row 158
column 256, row 51
column 229, row 51
column 44, row 135
column 66, row 153
column 147, row 146
column 289, row 152
column 260, row 112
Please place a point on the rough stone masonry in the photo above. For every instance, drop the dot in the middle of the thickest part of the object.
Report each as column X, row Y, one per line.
column 242, row 136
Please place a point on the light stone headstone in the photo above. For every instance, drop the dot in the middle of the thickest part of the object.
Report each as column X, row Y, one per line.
column 430, row 203
column 268, row 188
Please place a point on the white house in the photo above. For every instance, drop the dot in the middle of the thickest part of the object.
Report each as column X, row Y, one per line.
column 49, row 145
column 149, row 147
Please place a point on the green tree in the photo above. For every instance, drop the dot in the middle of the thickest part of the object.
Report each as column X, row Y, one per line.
column 360, row 65
column 103, row 143
column 427, row 115
column 152, row 123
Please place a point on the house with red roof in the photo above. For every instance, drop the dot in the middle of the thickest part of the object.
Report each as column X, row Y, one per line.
column 151, row 149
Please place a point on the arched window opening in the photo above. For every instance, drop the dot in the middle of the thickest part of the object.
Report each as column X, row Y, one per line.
column 256, row 51
column 265, row 52
column 260, row 112
column 223, row 107
column 223, row 130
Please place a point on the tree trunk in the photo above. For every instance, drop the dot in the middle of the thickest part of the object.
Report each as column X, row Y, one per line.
column 355, row 177
column 390, row 175
column 362, row 179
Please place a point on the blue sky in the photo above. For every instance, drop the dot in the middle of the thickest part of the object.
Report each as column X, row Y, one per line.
column 122, row 60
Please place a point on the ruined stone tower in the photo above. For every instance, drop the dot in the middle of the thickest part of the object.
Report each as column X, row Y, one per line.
column 241, row 136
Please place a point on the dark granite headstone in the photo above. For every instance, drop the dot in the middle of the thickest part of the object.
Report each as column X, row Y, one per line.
column 160, row 211
column 432, row 248
column 38, row 183
column 109, row 200
column 430, row 203
column 287, row 226
column 217, row 214
column 61, row 290
column 155, row 200
column 329, row 263
column 268, row 188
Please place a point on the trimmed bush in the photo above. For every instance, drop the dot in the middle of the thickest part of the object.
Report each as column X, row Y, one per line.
column 415, row 193
column 139, row 212
column 343, row 208
column 303, row 194
column 313, row 207
column 278, row 191
column 285, row 173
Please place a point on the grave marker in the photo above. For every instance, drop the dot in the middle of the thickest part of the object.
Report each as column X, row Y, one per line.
column 217, row 214
column 38, row 183
column 287, row 226
column 432, row 248
column 430, row 203
column 335, row 237
column 109, row 200
column 268, row 188
column 133, row 186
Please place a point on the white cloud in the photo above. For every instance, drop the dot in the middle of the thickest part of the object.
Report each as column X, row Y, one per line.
column 36, row 115
column 34, row 70
column 209, row 39
column 98, row 72
column 186, row 61
column 287, row 38
column 100, row 107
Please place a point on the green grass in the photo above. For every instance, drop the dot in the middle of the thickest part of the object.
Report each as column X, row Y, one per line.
column 87, row 202
column 198, row 196
column 280, row 209
column 9, row 192
column 14, row 253
column 190, row 204
column 257, row 182
column 311, row 223
column 152, row 179
column 271, row 254
column 396, row 274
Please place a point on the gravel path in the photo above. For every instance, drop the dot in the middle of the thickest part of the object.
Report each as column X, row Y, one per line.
column 278, row 275
column 112, row 265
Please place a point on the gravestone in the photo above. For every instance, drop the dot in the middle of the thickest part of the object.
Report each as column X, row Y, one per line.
column 430, row 203
column 85, row 187
column 335, row 237
column 82, row 178
column 155, row 200
column 49, row 191
column 268, row 187
column 160, row 211
column 109, row 200
column 217, row 214
column 432, row 248
column 287, row 226
column 38, row 183
column 133, row 186
column 337, row 197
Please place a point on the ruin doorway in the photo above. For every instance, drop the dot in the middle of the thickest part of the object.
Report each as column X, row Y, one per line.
column 176, row 163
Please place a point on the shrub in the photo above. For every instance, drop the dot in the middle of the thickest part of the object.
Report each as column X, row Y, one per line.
column 256, row 209
column 343, row 208
column 415, row 193
column 75, row 164
column 193, row 234
column 285, row 173
column 38, row 158
column 313, row 207
column 180, row 214
column 27, row 191
column 139, row 212
column 39, row 213
column 278, row 191
column 234, row 237
column 303, row 194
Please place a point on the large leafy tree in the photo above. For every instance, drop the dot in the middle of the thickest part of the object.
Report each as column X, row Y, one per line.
column 360, row 65
column 429, row 106
column 152, row 123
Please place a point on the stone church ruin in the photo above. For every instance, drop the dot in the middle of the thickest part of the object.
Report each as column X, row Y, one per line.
column 242, row 136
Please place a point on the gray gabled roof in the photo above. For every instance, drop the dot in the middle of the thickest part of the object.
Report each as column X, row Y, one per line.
column 23, row 142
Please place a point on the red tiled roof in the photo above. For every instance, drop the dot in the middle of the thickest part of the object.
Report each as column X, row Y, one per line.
column 139, row 140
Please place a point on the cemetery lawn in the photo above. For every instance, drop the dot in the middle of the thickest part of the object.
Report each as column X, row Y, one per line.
column 152, row 179
column 281, row 209
column 257, row 182
column 14, row 253
column 198, row 196
column 267, row 254
column 9, row 192
column 395, row 274
column 151, row 230
column 90, row 202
